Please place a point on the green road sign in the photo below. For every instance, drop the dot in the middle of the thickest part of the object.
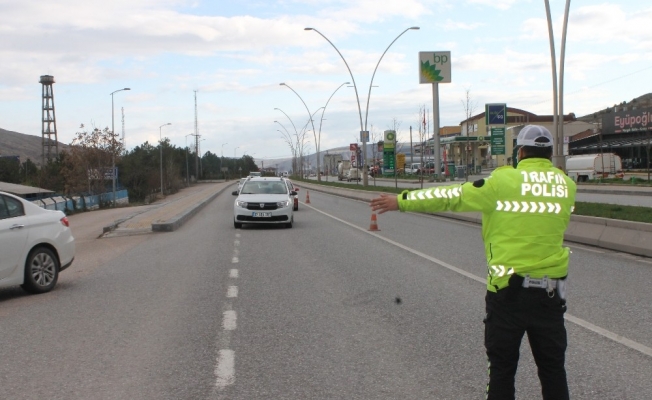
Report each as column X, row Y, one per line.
column 498, row 141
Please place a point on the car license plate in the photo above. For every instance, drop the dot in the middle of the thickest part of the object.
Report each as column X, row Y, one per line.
column 261, row 214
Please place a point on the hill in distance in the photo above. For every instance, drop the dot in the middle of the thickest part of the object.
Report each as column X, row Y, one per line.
column 24, row 146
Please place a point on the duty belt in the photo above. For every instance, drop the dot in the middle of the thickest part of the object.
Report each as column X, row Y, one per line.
column 540, row 283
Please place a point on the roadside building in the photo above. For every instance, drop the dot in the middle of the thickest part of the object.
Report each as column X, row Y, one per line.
column 624, row 129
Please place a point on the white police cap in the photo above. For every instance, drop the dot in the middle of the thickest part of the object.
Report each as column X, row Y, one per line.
column 535, row 136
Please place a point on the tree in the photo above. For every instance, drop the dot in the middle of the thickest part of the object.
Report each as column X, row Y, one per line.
column 10, row 169
column 29, row 173
column 88, row 162
column 469, row 108
column 140, row 171
column 423, row 140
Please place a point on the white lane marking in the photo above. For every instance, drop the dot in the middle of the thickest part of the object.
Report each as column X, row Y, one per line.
column 232, row 291
column 225, row 369
column 237, row 235
column 235, row 260
column 229, row 320
column 578, row 321
column 589, row 249
column 233, row 273
column 236, row 243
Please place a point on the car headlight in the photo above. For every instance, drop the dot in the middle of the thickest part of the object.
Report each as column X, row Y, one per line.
column 282, row 204
column 241, row 203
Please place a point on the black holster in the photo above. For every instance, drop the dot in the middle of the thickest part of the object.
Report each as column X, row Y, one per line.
column 514, row 286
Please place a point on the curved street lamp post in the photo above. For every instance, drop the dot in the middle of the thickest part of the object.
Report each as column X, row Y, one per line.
column 113, row 141
column 363, row 128
column 559, row 159
column 295, row 132
column 160, row 143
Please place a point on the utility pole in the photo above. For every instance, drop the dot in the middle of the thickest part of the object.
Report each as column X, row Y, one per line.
column 196, row 140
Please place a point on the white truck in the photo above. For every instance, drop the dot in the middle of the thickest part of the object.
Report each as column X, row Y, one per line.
column 343, row 168
column 587, row 167
column 346, row 173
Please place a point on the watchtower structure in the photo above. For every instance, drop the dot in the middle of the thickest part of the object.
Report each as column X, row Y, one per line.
column 49, row 121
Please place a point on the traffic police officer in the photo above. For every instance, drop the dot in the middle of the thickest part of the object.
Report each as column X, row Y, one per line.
column 525, row 212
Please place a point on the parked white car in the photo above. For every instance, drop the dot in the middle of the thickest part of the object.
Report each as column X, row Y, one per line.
column 295, row 198
column 241, row 182
column 264, row 200
column 35, row 244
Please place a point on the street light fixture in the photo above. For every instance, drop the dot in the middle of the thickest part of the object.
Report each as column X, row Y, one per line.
column 363, row 128
column 299, row 148
column 321, row 121
column 113, row 141
column 311, row 123
column 160, row 143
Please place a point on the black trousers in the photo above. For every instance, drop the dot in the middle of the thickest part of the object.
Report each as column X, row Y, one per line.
column 512, row 312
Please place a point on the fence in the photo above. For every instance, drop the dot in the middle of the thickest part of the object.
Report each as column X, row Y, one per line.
column 82, row 203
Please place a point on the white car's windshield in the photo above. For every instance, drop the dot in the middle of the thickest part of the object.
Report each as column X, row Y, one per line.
column 264, row 188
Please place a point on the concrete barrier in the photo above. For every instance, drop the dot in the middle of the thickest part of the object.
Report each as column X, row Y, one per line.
column 624, row 236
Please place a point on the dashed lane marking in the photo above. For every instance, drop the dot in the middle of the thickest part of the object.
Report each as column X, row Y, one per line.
column 225, row 369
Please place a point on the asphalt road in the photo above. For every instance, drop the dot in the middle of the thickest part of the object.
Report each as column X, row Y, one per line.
column 211, row 312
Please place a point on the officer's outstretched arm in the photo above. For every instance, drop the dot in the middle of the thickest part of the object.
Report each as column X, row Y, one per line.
column 476, row 196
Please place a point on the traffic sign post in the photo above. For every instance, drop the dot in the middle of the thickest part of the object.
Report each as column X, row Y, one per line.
column 389, row 148
column 495, row 114
column 497, row 141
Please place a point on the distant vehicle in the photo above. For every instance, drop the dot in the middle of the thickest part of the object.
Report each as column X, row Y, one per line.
column 588, row 167
column 241, row 182
column 354, row 175
column 347, row 173
column 295, row 197
column 343, row 168
column 35, row 244
column 412, row 168
column 263, row 200
column 285, row 174
column 428, row 168
column 255, row 173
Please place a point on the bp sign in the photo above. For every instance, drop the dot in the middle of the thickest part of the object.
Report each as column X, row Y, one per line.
column 388, row 149
column 434, row 67
column 390, row 139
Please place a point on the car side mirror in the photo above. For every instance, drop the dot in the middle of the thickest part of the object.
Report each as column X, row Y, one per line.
column 296, row 189
column 293, row 193
column 235, row 193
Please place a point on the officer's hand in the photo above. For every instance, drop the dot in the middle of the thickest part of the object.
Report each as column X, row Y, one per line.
column 384, row 203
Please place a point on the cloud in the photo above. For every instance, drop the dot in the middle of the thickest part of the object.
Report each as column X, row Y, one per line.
column 499, row 4
column 375, row 11
column 450, row 25
column 597, row 25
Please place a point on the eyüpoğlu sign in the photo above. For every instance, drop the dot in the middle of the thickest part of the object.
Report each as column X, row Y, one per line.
column 627, row 121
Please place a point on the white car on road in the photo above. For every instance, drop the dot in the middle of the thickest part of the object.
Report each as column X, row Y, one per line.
column 35, row 244
column 263, row 200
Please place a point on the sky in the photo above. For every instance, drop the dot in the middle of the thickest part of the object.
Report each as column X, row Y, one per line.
column 231, row 56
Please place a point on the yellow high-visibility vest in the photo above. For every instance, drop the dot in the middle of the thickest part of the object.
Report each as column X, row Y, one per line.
column 525, row 212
